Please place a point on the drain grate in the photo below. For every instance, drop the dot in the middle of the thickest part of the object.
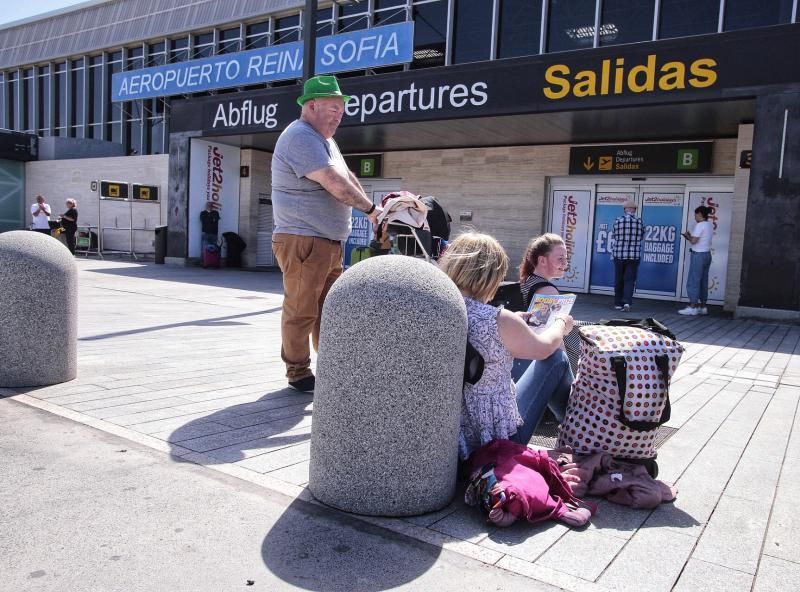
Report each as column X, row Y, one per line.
column 547, row 433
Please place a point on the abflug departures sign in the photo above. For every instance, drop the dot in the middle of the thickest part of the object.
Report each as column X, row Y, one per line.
column 708, row 67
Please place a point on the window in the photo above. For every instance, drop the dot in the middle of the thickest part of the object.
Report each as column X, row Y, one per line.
column 571, row 25
column 156, row 54
column 287, row 29
column 230, row 40
column 77, row 98
column 28, row 101
column 11, row 110
column 389, row 12
column 472, row 36
column 745, row 14
column 626, row 21
column 95, row 96
column 60, row 88
column 203, row 46
column 3, row 100
column 353, row 17
column 178, row 50
column 113, row 109
column 430, row 33
column 44, row 101
column 325, row 22
column 520, row 28
column 681, row 18
column 257, row 35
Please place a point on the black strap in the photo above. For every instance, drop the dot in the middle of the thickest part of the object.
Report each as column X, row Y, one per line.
column 620, row 367
column 473, row 365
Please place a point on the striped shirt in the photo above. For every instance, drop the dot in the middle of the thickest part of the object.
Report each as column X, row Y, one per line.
column 627, row 237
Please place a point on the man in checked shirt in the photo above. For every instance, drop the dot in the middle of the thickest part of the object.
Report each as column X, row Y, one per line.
column 626, row 251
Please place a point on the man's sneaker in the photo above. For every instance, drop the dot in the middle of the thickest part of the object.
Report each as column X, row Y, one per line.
column 618, row 307
column 689, row 311
column 626, row 308
column 304, row 385
column 702, row 311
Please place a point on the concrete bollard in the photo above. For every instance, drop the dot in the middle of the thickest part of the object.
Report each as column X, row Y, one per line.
column 384, row 435
column 38, row 310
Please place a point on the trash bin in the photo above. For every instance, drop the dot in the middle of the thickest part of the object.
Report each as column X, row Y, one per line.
column 236, row 245
column 161, row 243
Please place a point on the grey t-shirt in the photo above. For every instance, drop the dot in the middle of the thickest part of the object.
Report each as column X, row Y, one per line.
column 300, row 205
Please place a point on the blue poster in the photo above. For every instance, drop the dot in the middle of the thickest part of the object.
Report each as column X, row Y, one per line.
column 608, row 208
column 662, row 215
column 360, row 236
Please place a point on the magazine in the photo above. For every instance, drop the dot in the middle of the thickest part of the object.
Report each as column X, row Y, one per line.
column 544, row 309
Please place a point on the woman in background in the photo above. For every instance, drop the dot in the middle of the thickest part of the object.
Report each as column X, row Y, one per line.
column 495, row 407
column 699, row 263
column 69, row 222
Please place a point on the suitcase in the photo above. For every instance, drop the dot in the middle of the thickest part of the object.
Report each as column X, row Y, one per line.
column 211, row 256
column 621, row 393
column 359, row 254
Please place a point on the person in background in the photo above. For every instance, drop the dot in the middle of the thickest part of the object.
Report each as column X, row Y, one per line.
column 626, row 250
column 313, row 195
column 546, row 260
column 40, row 212
column 699, row 262
column 495, row 407
column 69, row 222
column 209, row 226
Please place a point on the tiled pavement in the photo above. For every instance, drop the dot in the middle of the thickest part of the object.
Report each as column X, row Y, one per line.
column 187, row 361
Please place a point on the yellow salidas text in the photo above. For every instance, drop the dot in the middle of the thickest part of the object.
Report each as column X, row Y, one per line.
column 616, row 78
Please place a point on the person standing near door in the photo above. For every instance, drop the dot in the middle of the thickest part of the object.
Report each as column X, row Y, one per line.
column 209, row 226
column 69, row 222
column 699, row 263
column 626, row 250
column 40, row 212
column 313, row 194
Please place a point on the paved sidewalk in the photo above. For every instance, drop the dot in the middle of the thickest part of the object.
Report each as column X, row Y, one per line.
column 187, row 361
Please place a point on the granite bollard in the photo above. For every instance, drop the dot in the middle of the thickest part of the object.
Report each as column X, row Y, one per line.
column 38, row 310
column 384, row 435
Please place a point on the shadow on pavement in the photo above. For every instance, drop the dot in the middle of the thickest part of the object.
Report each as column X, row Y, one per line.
column 254, row 431
column 317, row 548
column 269, row 282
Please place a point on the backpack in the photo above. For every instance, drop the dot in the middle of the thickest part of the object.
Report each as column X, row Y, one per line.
column 438, row 218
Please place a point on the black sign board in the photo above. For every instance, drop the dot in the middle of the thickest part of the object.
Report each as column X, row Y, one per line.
column 18, row 146
column 145, row 192
column 746, row 159
column 637, row 159
column 365, row 165
column 113, row 190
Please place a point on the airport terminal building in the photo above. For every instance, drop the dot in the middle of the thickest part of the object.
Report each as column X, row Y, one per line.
column 520, row 116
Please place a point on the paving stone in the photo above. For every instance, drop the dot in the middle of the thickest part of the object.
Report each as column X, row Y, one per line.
column 133, row 409
column 754, row 478
column 777, row 575
column 194, row 430
column 782, row 540
column 595, row 549
column 264, row 463
column 701, row 576
column 296, row 473
column 617, row 520
column 431, row 517
column 652, row 560
column 465, row 523
column 250, row 448
column 734, row 534
column 525, row 541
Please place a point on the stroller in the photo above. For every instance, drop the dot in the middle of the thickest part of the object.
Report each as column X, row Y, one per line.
column 404, row 228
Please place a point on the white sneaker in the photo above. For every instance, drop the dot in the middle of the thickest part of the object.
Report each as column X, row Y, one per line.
column 626, row 308
column 617, row 307
column 702, row 310
column 689, row 311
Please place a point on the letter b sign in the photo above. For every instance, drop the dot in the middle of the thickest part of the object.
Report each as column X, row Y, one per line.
column 688, row 159
column 367, row 167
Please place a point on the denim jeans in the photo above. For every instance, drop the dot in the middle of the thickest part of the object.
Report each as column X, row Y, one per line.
column 697, row 282
column 207, row 238
column 545, row 383
column 625, row 271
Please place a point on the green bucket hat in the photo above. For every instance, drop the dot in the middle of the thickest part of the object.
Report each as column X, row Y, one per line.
column 319, row 87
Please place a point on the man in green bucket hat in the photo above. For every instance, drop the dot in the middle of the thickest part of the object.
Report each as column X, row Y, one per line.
column 313, row 194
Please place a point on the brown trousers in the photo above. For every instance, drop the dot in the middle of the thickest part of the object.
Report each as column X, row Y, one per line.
column 310, row 265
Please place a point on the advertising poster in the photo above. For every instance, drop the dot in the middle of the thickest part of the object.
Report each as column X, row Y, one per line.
column 721, row 204
column 213, row 177
column 571, row 218
column 662, row 215
column 608, row 207
column 360, row 236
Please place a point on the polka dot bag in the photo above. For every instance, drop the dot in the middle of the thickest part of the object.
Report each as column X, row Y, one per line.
column 621, row 392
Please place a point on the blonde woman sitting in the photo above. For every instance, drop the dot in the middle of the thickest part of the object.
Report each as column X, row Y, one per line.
column 495, row 407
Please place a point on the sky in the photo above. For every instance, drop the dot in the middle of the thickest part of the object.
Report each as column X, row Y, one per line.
column 14, row 10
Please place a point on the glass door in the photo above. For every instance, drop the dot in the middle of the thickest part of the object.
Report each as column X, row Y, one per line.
column 607, row 207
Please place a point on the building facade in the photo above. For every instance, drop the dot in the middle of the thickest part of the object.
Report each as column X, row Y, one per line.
column 520, row 115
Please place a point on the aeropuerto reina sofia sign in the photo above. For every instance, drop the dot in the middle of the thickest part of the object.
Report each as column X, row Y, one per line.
column 369, row 48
